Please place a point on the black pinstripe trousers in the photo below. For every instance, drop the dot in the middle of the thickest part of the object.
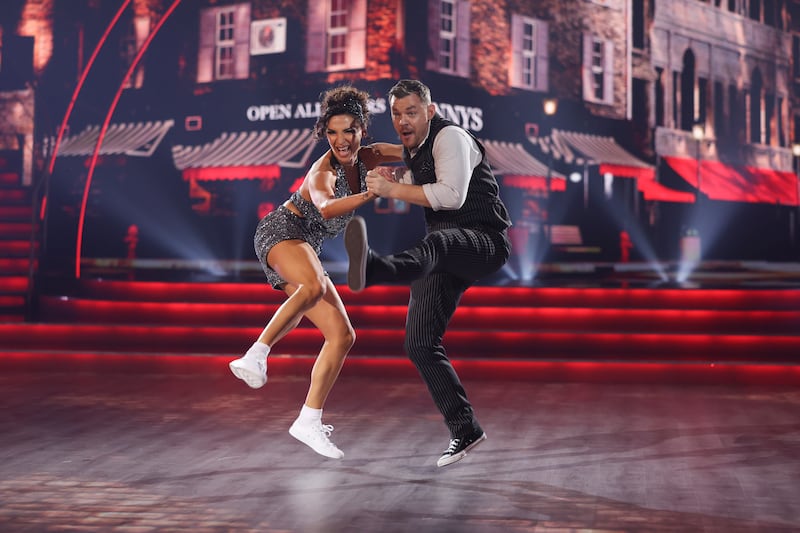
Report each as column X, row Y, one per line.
column 440, row 269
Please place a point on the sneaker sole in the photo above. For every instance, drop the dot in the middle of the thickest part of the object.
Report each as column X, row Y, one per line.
column 355, row 243
column 455, row 458
column 297, row 436
column 254, row 381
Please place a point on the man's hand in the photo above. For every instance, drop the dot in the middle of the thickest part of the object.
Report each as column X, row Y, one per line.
column 380, row 181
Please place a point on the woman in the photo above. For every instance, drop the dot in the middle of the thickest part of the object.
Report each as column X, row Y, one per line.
column 288, row 242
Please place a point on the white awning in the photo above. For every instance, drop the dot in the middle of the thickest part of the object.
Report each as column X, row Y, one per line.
column 135, row 139
column 575, row 147
column 511, row 158
column 285, row 148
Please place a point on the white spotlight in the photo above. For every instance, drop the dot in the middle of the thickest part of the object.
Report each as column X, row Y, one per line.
column 575, row 177
column 608, row 184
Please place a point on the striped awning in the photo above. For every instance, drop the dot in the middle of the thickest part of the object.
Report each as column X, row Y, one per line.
column 576, row 147
column 135, row 139
column 511, row 158
column 265, row 148
column 519, row 169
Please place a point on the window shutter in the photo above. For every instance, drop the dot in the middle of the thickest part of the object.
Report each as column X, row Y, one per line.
column 608, row 72
column 463, row 39
column 205, row 52
column 542, row 56
column 515, row 68
column 434, row 25
column 316, row 46
column 241, row 37
column 586, row 68
column 357, row 35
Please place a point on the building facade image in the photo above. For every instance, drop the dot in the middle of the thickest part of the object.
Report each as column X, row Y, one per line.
column 187, row 121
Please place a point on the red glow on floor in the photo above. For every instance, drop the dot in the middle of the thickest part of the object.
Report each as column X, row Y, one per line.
column 390, row 368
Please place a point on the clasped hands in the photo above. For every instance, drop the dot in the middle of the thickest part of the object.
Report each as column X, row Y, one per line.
column 380, row 181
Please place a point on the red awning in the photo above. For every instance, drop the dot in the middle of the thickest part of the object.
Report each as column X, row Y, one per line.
column 646, row 183
column 720, row 181
column 255, row 172
column 653, row 190
column 533, row 183
column 647, row 173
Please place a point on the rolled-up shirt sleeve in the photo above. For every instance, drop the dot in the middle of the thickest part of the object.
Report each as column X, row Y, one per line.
column 455, row 155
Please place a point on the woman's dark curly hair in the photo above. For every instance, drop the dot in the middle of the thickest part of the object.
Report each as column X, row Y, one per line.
column 342, row 100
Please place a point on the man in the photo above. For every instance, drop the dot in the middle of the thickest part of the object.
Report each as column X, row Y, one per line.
column 466, row 239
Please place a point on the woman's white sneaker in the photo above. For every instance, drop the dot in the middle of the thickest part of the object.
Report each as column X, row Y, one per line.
column 251, row 371
column 315, row 435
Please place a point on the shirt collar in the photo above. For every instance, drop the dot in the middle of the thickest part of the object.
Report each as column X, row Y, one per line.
column 412, row 153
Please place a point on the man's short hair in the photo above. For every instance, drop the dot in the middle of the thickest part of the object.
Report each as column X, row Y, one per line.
column 405, row 88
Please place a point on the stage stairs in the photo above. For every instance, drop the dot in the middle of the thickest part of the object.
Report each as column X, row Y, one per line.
column 15, row 247
column 539, row 330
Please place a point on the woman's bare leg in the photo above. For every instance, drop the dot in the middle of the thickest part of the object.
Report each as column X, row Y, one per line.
column 297, row 263
column 330, row 317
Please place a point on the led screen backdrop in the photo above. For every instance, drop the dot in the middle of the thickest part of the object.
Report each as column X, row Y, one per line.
column 172, row 127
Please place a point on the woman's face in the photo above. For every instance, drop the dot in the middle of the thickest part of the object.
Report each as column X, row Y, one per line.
column 344, row 137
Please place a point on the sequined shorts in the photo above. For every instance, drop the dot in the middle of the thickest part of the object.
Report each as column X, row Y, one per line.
column 282, row 225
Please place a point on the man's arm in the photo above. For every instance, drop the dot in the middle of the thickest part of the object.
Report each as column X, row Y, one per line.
column 455, row 156
column 385, row 187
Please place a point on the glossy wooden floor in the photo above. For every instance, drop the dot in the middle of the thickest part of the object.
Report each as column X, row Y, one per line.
column 186, row 447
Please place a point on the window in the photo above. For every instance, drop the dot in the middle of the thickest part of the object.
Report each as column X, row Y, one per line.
column 719, row 110
column 660, row 118
column 529, row 60
column 598, row 70
column 702, row 99
column 676, row 98
column 639, row 24
column 448, row 36
column 337, row 35
column 224, row 45
column 224, row 51
column 796, row 56
column 136, row 31
column 796, row 129
column 755, row 10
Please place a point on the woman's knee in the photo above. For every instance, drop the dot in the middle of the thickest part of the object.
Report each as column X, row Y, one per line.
column 343, row 339
column 349, row 338
column 311, row 292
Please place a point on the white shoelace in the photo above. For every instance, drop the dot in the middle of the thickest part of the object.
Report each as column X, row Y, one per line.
column 453, row 446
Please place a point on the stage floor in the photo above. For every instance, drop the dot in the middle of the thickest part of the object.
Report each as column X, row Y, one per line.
column 190, row 448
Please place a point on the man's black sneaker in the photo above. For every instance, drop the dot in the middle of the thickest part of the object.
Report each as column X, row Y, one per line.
column 459, row 447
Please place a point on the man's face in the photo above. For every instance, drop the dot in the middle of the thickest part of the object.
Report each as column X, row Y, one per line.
column 411, row 119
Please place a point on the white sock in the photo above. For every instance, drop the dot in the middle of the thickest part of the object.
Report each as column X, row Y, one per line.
column 309, row 414
column 258, row 350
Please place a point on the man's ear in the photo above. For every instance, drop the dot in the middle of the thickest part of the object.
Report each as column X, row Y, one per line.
column 431, row 110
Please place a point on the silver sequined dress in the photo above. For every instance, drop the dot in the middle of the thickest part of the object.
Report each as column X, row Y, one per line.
column 282, row 224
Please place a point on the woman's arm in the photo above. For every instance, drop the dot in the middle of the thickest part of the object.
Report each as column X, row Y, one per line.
column 321, row 182
column 374, row 154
